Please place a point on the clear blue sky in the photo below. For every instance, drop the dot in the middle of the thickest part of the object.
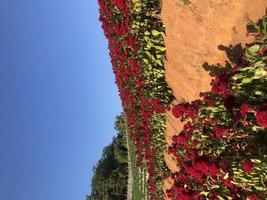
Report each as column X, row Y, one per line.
column 58, row 99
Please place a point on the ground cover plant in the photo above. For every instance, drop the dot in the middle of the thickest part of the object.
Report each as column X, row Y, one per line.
column 222, row 150
column 135, row 38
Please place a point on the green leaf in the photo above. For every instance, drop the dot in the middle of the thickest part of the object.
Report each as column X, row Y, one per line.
column 160, row 48
column 145, row 60
column 147, row 33
column 247, row 80
column 260, row 188
column 258, row 92
column 204, row 193
column 156, row 33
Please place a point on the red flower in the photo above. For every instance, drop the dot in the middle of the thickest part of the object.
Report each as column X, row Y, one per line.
column 179, row 110
column 208, row 101
column 184, row 197
column 244, row 108
column 261, row 118
column 228, row 183
column 248, row 166
column 224, row 89
column 179, row 140
column 195, row 173
column 220, row 132
column 221, row 79
column 214, row 170
column 171, row 150
column 224, row 166
column 215, row 90
column 253, row 197
column 203, row 167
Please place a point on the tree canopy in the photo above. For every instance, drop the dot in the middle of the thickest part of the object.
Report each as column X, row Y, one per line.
column 110, row 174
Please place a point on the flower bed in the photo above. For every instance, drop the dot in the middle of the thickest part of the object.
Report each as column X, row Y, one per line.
column 222, row 151
column 135, row 35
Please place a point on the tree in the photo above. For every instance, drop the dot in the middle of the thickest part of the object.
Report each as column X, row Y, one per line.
column 110, row 174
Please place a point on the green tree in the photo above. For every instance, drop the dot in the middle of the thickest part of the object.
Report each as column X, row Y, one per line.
column 110, row 174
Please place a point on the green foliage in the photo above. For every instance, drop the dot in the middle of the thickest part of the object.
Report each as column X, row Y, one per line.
column 150, row 31
column 250, row 82
column 110, row 174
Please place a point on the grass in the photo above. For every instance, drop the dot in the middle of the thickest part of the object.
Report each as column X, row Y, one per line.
column 139, row 190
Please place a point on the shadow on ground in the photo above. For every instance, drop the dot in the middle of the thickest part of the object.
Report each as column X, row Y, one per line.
column 234, row 55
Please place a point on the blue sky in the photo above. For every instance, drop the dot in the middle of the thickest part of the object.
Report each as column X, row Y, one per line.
column 58, row 99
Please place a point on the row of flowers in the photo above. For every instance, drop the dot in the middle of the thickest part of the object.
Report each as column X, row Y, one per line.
column 135, row 38
column 222, row 150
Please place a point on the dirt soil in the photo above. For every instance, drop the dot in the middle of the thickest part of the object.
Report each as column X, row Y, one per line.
column 195, row 33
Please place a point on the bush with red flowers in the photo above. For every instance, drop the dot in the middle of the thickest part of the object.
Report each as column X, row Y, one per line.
column 135, row 39
column 222, row 151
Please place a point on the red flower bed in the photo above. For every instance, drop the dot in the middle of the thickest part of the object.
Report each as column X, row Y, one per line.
column 141, row 103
